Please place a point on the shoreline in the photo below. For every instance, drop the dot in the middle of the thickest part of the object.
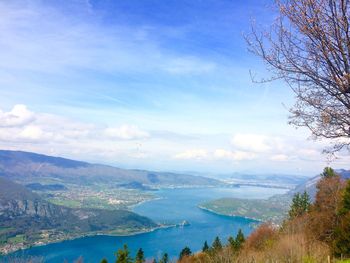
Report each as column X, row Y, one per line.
column 221, row 214
column 39, row 244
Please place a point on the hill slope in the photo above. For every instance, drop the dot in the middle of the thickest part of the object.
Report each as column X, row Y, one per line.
column 27, row 167
column 273, row 209
column 25, row 213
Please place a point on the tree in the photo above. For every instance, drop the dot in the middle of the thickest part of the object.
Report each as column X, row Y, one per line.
column 104, row 260
column 346, row 199
column 140, row 257
column 216, row 244
column 165, row 258
column 328, row 172
column 123, row 255
column 185, row 253
column 205, row 247
column 239, row 239
column 154, row 261
column 236, row 243
column 324, row 217
column 342, row 232
column 308, row 47
column 232, row 243
column 300, row 205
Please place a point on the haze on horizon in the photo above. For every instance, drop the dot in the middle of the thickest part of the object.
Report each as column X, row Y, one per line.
column 162, row 86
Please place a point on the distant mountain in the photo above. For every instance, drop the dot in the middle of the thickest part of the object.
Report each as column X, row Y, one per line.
column 29, row 167
column 25, row 213
column 273, row 209
column 310, row 185
column 266, row 180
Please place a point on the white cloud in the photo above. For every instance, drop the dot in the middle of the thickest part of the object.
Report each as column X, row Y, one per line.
column 251, row 142
column 279, row 157
column 234, row 155
column 197, row 154
column 126, row 132
column 18, row 116
column 34, row 133
column 308, row 152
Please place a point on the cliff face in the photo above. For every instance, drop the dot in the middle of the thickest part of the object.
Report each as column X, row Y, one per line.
column 26, row 212
column 17, row 201
column 36, row 208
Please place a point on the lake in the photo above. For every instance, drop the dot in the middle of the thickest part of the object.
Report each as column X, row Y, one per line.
column 174, row 206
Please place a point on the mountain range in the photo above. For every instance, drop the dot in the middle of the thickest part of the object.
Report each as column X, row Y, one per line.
column 31, row 167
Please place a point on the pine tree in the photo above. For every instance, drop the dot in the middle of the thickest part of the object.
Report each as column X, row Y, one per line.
column 300, row 205
column 346, row 199
column 205, row 247
column 342, row 232
column 104, row 260
column 232, row 243
column 239, row 240
column 328, row 172
column 123, row 255
column 216, row 244
column 185, row 253
column 140, row 257
column 165, row 258
column 305, row 202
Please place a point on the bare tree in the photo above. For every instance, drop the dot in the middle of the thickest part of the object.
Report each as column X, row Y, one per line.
column 308, row 46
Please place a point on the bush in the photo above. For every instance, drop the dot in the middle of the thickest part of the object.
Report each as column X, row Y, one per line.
column 264, row 236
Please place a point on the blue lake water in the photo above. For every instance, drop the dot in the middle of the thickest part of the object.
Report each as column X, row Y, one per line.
column 174, row 206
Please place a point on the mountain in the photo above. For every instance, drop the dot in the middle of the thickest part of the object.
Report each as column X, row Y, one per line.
column 266, row 180
column 273, row 209
column 310, row 185
column 30, row 167
column 24, row 213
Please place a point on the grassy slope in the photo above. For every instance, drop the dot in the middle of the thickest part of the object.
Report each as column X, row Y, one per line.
column 273, row 209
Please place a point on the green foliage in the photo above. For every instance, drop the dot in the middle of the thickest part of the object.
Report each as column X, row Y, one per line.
column 140, row 256
column 216, row 244
column 236, row 243
column 346, row 199
column 300, row 205
column 104, row 260
column 164, row 259
column 205, row 247
column 328, row 172
column 185, row 253
column 342, row 232
column 123, row 255
column 239, row 239
column 232, row 242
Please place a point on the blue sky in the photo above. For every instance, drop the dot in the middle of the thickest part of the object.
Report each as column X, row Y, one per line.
column 161, row 85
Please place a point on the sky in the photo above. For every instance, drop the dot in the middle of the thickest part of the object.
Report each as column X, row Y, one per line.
column 152, row 84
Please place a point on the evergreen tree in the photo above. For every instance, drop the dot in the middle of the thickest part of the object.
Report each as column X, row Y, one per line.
column 165, row 258
column 104, row 260
column 205, row 247
column 239, row 239
column 342, row 232
column 328, row 172
column 140, row 257
column 185, row 253
column 232, row 243
column 216, row 244
column 346, row 199
column 123, row 255
column 300, row 205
